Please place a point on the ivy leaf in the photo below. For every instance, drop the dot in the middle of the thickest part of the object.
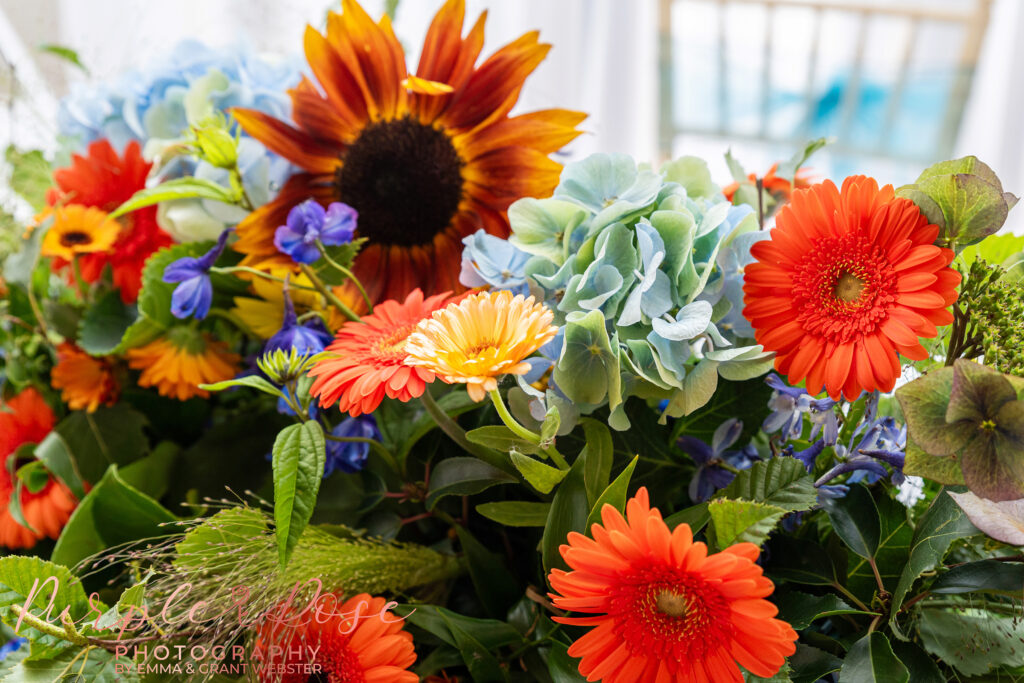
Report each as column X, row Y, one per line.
column 516, row 512
column 940, row 525
column 871, row 660
column 299, row 457
column 463, row 477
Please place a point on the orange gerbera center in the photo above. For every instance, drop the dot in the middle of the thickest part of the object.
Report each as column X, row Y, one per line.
column 844, row 287
column 390, row 348
column 405, row 180
column 675, row 612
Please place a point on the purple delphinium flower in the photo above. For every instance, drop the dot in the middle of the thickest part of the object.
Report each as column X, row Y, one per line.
column 350, row 456
column 12, row 645
column 308, row 223
column 809, row 455
column 790, row 404
column 710, row 476
column 881, row 442
column 194, row 293
column 307, row 338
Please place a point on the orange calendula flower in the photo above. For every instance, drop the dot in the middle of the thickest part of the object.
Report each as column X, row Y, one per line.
column 848, row 281
column 367, row 358
column 28, row 419
column 351, row 640
column 178, row 363
column 103, row 180
column 85, row 382
column 426, row 158
column 481, row 338
column 79, row 230
column 661, row 608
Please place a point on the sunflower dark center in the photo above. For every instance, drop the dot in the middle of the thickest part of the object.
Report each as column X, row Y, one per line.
column 74, row 237
column 405, row 180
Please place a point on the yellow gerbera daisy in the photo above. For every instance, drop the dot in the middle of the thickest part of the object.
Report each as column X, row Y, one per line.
column 178, row 363
column 264, row 312
column 77, row 230
column 481, row 338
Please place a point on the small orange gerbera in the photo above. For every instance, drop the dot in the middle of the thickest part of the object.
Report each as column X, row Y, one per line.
column 848, row 281
column 79, row 230
column 178, row 363
column 425, row 159
column 367, row 360
column 85, row 382
column 481, row 338
column 661, row 608
column 28, row 419
column 338, row 641
column 776, row 186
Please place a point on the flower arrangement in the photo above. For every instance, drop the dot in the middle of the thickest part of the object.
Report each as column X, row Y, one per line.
column 331, row 371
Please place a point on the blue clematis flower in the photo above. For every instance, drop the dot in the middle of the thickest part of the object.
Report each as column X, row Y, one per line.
column 308, row 223
column 710, row 476
column 309, row 338
column 881, row 442
column 809, row 455
column 12, row 645
column 350, row 456
column 490, row 260
column 789, row 406
column 194, row 293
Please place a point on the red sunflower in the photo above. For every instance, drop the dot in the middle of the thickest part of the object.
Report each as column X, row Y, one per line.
column 104, row 180
column 848, row 282
column 425, row 159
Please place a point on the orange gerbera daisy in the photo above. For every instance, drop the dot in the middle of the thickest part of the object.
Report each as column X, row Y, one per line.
column 367, row 359
column 847, row 281
column 103, row 180
column 426, row 159
column 28, row 419
column 776, row 186
column 182, row 360
column 78, row 230
column 354, row 640
column 481, row 338
column 85, row 382
column 662, row 608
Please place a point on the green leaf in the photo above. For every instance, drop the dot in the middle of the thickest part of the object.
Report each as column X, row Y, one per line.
column 787, row 169
column 501, row 438
column 112, row 513
column 871, row 660
column 924, row 403
column 463, row 477
column 809, row 664
column 562, row 667
column 987, row 576
column 569, row 511
column 22, row 578
column 65, row 53
column 599, row 452
column 800, row 610
column 251, row 381
column 151, row 474
column 781, row 676
column 549, row 427
column 742, row 521
column 996, row 249
column 34, row 476
column 696, row 516
column 95, row 665
column 855, row 518
column 104, row 324
column 588, row 369
column 516, row 512
column 801, row 561
column 922, row 667
column 542, row 477
column 940, row 525
column 615, row 495
column 439, row 621
column 482, row 664
column 494, row 584
column 972, row 641
column 699, row 387
column 31, row 176
column 113, row 435
column 971, row 207
column 781, row 482
column 891, row 555
column 343, row 255
column 178, row 188
column 299, row 457
column 942, row 469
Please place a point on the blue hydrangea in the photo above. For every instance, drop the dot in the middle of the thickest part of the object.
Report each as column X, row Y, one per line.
column 491, row 261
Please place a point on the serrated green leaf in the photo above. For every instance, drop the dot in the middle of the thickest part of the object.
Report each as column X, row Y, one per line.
column 31, row 176
column 22, row 578
column 516, row 512
column 781, row 482
column 871, row 660
column 93, row 664
column 542, row 477
column 299, row 457
column 177, row 188
column 940, row 525
column 972, row 641
column 742, row 521
column 463, row 477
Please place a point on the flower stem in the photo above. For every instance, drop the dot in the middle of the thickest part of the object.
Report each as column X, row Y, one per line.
column 230, row 270
column 376, row 446
column 347, row 273
column 458, row 435
column 328, row 294
column 524, row 433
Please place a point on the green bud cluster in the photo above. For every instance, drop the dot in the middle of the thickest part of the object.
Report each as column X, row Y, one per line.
column 995, row 305
column 282, row 367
